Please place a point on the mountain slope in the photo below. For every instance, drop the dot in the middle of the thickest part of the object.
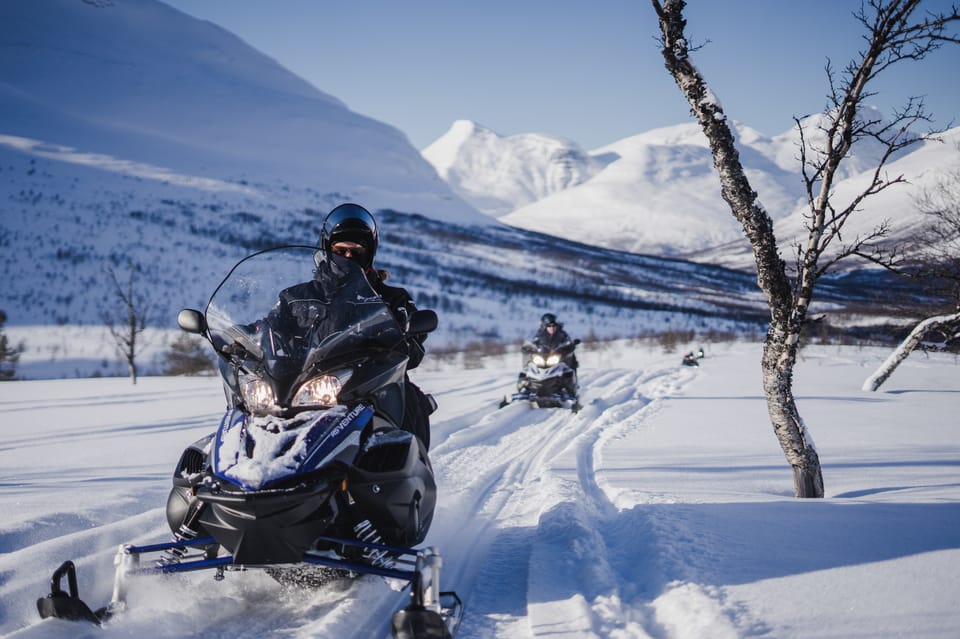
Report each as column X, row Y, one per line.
column 660, row 196
column 923, row 168
column 497, row 174
column 137, row 81
column 144, row 142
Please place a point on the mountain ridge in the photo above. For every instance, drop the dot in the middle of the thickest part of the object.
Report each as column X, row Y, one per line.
column 657, row 192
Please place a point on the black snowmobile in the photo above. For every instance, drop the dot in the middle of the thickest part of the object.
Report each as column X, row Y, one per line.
column 309, row 469
column 693, row 358
column 547, row 380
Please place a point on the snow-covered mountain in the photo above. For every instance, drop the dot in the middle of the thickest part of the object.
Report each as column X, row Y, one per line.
column 923, row 167
column 660, row 196
column 657, row 192
column 498, row 173
column 139, row 88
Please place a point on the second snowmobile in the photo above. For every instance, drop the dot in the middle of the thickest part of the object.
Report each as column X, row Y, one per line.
column 547, row 380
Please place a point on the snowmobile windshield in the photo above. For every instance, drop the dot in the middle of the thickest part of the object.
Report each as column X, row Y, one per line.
column 288, row 313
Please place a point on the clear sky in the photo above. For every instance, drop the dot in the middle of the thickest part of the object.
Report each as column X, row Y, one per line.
column 588, row 70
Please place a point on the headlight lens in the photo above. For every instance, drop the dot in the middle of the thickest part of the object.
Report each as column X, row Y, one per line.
column 322, row 390
column 258, row 395
column 553, row 360
column 538, row 360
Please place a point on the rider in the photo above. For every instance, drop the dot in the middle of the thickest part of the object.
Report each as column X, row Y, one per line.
column 350, row 231
column 551, row 336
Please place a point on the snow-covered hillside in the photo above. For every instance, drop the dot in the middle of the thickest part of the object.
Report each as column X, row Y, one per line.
column 139, row 88
column 923, row 168
column 136, row 135
column 498, row 174
column 662, row 510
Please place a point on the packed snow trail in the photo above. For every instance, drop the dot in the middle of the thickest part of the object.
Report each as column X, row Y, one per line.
column 517, row 487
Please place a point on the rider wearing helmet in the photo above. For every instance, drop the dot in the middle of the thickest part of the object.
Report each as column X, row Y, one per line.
column 350, row 226
column 349, row 230
column 551, row 336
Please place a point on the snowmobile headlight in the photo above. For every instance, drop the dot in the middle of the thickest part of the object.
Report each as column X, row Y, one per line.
column 258, row 395
column 553, row 360
column 322, row 390
column 538, row 360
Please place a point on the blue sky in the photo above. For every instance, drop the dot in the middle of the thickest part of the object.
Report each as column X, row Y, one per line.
column 586, row 70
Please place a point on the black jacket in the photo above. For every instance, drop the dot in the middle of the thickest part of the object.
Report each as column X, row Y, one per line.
column 301, row 307
column 560, row 341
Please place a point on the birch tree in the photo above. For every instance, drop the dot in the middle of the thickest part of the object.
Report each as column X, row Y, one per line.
column 895, row 31
column 935, row 262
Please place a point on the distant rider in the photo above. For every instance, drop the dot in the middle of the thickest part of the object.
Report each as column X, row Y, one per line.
column 550, row 336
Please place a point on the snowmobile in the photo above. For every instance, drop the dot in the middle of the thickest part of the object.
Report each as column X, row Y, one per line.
column 546, row 380
column 693, row 358
column 309, row 469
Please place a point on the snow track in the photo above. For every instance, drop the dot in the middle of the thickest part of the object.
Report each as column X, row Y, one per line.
column 520, row 485
column 518, row 495
column 663, row 509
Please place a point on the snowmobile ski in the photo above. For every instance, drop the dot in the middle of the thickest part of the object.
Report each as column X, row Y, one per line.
column 432, row 613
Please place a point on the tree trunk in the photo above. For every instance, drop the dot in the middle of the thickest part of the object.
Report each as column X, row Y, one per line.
column 795, row 440
column 906, row 347
column 132, row 330
column 132, row 366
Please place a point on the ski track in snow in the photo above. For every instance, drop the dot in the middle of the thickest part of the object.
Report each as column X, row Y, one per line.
column 516, row 485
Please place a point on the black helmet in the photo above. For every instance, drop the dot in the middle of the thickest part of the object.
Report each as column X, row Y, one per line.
column 351, row 223
column 548, row 318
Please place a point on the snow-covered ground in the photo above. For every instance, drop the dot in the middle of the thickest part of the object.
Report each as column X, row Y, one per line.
column 662, row 510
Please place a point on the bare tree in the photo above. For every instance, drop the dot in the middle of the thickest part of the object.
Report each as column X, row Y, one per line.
column 935, row 263
column 9, row 354
column 891, row 37
column 126, row 332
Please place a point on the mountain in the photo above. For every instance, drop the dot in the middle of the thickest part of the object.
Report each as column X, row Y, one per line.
column 139, row 88
column 497, row 174
column 923, row 168
column 141, row 141
column 660, row 196
column 658, row 192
